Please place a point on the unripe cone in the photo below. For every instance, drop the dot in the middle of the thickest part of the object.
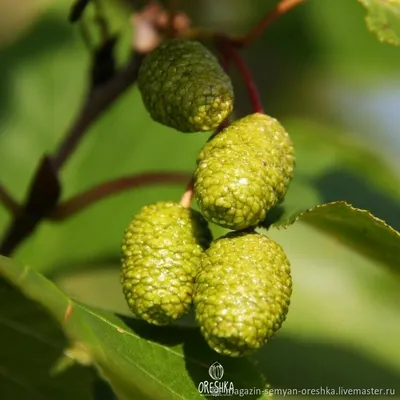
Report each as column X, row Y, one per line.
column 161, row 254
column 184, row 87
column 242, row 292
column 244, row 171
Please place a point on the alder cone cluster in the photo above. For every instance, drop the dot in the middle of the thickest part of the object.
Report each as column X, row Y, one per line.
column 239, row 284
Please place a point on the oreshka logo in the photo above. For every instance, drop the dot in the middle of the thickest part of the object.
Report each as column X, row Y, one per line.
column 216, row 371
column 217, row 387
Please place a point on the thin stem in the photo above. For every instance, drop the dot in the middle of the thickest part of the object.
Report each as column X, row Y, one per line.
column 78, row 203
column 249, row 38
column 45, row 188
column 224, row 59
column 42, row 197
column 251, row 87
column 278, row 11
column 188, row 194
column 77, row 10
column 9, row 203
column 98, row 101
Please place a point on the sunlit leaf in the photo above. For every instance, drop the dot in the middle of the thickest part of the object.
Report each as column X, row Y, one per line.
column 356, row 228
column 383, row 19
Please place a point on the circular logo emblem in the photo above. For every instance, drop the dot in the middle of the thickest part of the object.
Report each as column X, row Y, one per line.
column 216, row 371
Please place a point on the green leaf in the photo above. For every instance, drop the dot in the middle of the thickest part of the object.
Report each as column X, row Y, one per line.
column 358, row 229
column 140, row 361
column 31, row 344
column 383, row 19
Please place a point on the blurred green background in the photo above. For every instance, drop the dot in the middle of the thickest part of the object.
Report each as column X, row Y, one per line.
column 319, row 71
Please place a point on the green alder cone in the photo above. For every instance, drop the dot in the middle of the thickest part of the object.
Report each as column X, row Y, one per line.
column 242, row 292
column 184, row 87
column 243, row 171
column 161, row 255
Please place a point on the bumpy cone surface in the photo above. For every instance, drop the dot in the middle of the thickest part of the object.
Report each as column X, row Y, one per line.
column 160, row 258
column 184, row 87
column 244, row 171
column 242, row 292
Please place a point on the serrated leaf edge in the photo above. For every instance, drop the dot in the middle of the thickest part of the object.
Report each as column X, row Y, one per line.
column 344, row 203
column 375, row 31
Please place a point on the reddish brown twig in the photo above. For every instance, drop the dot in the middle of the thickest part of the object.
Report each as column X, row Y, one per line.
column 45, row 190
column 81, row 201
column 255, row 32
column 280, row 9
column 42, row 197
column 223, row 57
column 9, row 203
column 233, row 54
column 188, row 194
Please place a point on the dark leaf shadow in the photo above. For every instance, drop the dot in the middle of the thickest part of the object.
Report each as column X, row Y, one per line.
column 102, row 390
column 292, row 362
column 284, row 363
column 342, row 185
column 273, row 216
column 164, row 335
column 242, row 372
column 32, row 345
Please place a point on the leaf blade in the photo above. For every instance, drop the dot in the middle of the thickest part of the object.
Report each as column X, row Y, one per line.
column 357, row 228
column 136, row 358
column 383, row 19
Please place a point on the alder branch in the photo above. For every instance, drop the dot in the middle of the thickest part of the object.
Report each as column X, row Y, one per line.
column 282, row 8
column 45, row 188
column 232, row 53
column 278, row 11
column 80, row 202
column 100, row 99
column 43, row 195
